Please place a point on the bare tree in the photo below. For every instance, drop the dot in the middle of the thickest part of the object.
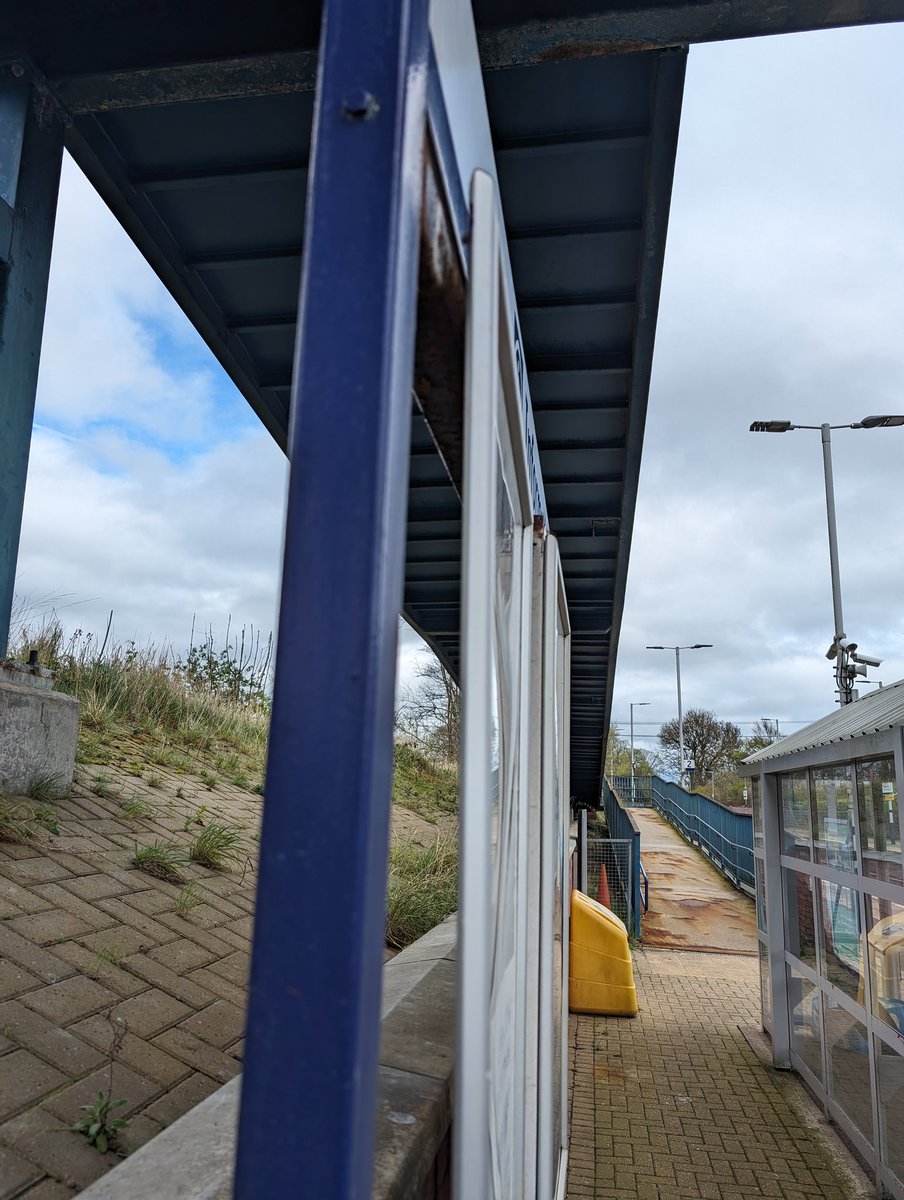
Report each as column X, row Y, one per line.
column 430, row 710
column 710, row 744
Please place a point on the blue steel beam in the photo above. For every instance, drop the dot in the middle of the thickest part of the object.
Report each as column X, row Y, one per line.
column 309, row 1090
column 31, row 153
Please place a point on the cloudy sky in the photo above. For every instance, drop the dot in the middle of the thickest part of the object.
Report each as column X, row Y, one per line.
column 155, row 493
column 783, row 297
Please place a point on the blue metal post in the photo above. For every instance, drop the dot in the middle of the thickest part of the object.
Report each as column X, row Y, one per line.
column 31, row 152
column 309, row 1090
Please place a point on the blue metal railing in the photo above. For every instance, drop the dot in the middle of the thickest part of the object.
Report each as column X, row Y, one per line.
column 622, row 827
column 637, row 791
column 724, row 836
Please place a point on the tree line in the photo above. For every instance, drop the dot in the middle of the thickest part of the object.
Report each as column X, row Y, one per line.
column 713, row 748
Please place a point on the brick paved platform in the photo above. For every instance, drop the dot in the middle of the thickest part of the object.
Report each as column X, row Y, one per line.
column 676, row 1105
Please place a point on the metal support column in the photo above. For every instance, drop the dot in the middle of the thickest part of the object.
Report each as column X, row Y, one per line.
column 310, row 1082
column 775, row 928
column 31, row 152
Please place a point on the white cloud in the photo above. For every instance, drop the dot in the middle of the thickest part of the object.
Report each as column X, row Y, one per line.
column 783, row 296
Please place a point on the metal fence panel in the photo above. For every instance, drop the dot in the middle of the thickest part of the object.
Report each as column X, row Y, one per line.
column 636, row 791
column 610, row 875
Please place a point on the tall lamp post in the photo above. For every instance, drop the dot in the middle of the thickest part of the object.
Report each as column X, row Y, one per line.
column 678, row 649
column 848, row 663
column 634, row 704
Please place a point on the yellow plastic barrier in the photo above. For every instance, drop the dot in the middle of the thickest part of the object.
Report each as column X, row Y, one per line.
column 600, row 971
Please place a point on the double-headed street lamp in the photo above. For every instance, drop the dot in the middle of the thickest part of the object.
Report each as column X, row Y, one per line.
column 848, row 663
column 678, row 649
column 634, row 704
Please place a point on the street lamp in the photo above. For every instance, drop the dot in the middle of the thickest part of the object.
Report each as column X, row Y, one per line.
column 634, row 704
column 678, row 649
column 848, row 663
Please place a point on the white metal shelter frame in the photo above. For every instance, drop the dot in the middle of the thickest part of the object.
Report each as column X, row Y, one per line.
column 510, row 1122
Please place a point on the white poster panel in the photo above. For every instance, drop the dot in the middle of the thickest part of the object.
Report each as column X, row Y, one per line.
column 497, row 520
column 554, row 804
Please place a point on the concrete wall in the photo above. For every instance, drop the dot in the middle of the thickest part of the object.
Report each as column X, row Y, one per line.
column 38, row 731
column 193, row 1158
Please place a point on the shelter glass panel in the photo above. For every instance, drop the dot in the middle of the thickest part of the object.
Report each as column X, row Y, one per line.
column 848, row 1058
column 832, row 791
column 765, row 990
column 757, row 808
column 795, row 804
column 800, row 917
column 760, row 871
column 880, row 825
column 890, row 1078
column 839, row 919
column 805, row 1006
column 885, row 952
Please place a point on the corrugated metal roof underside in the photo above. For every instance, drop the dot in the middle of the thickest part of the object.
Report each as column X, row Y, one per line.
column 213, row 192
column 883, row 709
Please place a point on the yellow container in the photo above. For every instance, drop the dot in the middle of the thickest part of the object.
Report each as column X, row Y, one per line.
column 600, row 971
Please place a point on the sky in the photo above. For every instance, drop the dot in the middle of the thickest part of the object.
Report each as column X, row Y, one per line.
column 782, row 298
column 154, row 493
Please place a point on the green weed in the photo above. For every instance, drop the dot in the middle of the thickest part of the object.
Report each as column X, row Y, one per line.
column 44, row 786
column 218, row 846
column 137, row 808
column 188, row 898
column 423, row 889
column 161, row 860
column 45, row 816
column 98, row 1128
column 16, row 821
column 104, row 787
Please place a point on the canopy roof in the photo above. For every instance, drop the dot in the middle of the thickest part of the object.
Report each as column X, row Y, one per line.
column 194, row 121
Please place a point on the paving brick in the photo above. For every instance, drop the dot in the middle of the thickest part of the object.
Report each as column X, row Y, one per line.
column 16, row 1173
column 94, row 887
column 36, row 870
column 182, row 955
column 14, row 980
column 235, row 968
column 65, row 1155
column 160, row 976
column 46, row 928
column 219, row 986
column 117, row 943
column 70, row 1000
column 127, row 915
column 86, row 911
column 220, row 1024
column 151, row 902
column 60, row 1047
column 103, row 972
column 181, row 1098
column 33, row 958
column 48, row 1189
column 134, row 1052
column 197, row 1054
column 22, row 898
column 127, row 1085
column 151, row 1012
column 24, row 1079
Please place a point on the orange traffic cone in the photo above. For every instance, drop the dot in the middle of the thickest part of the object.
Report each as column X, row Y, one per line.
column 602, row 892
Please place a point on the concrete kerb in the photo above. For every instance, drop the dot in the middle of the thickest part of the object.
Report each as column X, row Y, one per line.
column 193, row 1158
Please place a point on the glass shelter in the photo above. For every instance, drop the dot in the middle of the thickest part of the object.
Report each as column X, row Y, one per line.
column 830, row 916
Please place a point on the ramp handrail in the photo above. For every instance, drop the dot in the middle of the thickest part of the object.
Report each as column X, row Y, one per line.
column 621, row 827
column 724, row 835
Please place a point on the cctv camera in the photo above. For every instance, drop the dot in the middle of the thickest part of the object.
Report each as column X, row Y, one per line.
column 867, row 660
column 847, row 644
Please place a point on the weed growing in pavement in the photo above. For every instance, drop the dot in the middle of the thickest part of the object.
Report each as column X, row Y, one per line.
column 45, row 816
column 16, row 821
column 97, row 1127
column 219, row 846
column 154, row 780
column 195, row 818
column 188, row 899
column 104, row 787
column 208, row 779
column 137, row 808
column 44, row 786
column 160, row 859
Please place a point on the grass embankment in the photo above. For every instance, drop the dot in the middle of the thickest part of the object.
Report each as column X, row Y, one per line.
column 141, row 708
column 423, row 879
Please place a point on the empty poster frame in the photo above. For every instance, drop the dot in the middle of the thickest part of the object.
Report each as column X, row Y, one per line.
column 488, row 1147
column 552, row 673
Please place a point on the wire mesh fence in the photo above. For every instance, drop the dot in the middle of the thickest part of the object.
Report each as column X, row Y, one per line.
column 610, row 879
column 636, row 790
